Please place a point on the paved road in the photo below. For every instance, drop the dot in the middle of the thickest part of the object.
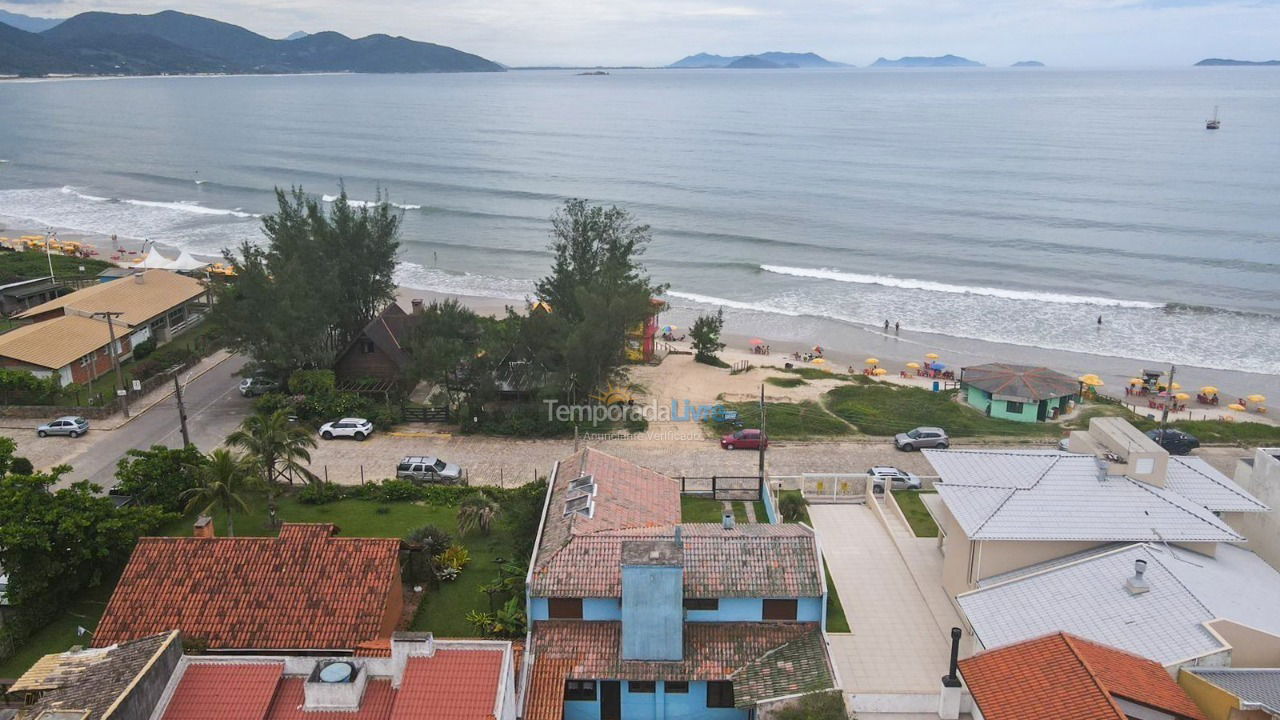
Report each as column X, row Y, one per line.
column 214, row 409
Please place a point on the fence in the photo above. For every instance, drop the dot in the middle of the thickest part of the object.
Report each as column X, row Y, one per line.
column 724, row 487
column 438, row 414
column 834, row 487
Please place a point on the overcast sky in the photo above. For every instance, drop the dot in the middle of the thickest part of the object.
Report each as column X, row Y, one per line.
column 656, row 32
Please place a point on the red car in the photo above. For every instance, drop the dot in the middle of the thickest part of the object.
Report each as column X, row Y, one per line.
column 745, row 440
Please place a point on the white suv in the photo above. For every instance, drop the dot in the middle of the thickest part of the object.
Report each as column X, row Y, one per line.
column 357, row 428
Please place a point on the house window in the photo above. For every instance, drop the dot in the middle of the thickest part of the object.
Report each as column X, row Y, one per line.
column 1013, row 407
column 674, row 687
column 720, row 694
column 641, row 686
column 780, row 609
column 701, row 604
column 564, row 608
column 579, row 689
column 367, row 346
column 84, row 361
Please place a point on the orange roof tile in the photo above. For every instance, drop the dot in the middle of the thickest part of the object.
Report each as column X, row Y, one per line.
column 1064, row 677
column 224, row 691
column 302, row 590
column 450, row 685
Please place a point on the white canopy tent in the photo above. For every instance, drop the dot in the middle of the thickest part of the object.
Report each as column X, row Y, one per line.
column 185, row 262
column 153, row 260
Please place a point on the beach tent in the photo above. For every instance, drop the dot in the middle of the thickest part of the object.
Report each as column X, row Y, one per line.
column 185, row 262
column 153, row 259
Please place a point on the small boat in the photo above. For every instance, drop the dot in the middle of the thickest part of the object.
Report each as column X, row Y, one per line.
column 1215, row 123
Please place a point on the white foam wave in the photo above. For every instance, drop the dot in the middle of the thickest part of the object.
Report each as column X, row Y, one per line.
column 413, row 275
column 368, row 203
column 735, row 304
column 930, row 286
column 189, row 206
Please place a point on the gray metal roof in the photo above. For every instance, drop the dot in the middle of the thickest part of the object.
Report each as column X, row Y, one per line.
column 1051, row 495
column 1257, row 688
column 1089, row 598
column 1025, row 382
column 1197, row 481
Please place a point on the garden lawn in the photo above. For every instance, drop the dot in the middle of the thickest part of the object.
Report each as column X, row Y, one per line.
column 694, row 509
column 836, row 620
column 60, row 634
column 15, row 266
column 887, row 409
column 443, row 611
column 917, row 515
column 786, row 421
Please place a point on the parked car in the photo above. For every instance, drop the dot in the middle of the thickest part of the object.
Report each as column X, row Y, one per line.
column 357, row 428
column 70, row 426
column 745, row 440
column 1175, row 441
column 254, row 386
column 922, row 437
column 897, row 479
column 428, row 469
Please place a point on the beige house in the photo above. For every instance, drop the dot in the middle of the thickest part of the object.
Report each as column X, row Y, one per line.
column 1260, row 475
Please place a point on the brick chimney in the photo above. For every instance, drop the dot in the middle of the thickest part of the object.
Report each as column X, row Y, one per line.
column 203, row 527
column 140, row 278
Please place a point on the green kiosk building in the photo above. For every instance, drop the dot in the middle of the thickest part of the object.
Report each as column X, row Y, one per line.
column 1018, row 392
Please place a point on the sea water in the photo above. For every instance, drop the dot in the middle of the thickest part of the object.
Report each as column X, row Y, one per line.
column 1015, row 206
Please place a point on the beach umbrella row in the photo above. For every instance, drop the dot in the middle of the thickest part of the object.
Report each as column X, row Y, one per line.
column 1092, row 380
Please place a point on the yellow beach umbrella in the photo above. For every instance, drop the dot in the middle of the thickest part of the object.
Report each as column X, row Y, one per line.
column 879, row 371
column 1182, row 396
column 1257, row 398
column 931, row 356
column 1235, row 406
column 872, row 361
column 913, row 365
column 1209, row 390
column 819, row 361
column 1092, row 380
column 1135, row 381
column 1175, row 386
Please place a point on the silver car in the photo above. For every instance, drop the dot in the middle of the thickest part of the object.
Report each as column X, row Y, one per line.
column 428, row 469
column 922, row 437
column 896, row 479
column 71, row 426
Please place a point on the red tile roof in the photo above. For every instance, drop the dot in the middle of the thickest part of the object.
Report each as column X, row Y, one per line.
column 1063, row 677
column 469, row 680
column 376, row 704
column 224, row 691
column 302, row 590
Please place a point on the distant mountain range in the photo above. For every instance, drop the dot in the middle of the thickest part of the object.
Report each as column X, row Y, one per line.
column 1226, row 61
column 26, row 22
column 1028, row 63
column 927, row 62
column 170, row 42
column 769, row 60
column 297, row 35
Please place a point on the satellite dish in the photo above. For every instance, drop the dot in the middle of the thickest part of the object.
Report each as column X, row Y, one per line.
column 338, row 672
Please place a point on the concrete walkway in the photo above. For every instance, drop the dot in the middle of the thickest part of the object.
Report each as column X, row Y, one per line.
column 895, row 646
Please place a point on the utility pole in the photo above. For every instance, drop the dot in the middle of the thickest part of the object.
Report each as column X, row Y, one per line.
column 182, row 413
column 1168, row 390
column 49, row 237
column 764, row 439
column 121, row 391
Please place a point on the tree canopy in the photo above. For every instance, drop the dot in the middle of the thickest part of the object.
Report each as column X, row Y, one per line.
column 300, row 298
column 158, row 476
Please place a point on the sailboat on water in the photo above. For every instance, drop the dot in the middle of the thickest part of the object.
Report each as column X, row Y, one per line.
column 1215, row 123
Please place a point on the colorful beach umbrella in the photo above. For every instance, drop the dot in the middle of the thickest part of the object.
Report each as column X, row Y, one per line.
column 931, row 356
column 819, row 361
column 1182, row 396
column 1257, row 398
column 1092, row 380
column 1176, row 386
column 879, row 371
column 1235, row 406
column 1209, row 390
column 872, row 361
column 913, row 365
column 756, row 341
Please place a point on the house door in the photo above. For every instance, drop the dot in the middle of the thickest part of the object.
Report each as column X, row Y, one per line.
column 610, row 700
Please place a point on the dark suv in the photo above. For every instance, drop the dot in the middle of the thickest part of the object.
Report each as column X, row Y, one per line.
column 1175, row 441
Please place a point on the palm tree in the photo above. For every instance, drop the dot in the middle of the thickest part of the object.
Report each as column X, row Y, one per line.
column 476, row 512
column 221, row 482
column 275, row 445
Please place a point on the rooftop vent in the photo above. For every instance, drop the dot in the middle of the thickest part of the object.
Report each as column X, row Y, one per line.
column 727, row 521
column 1137, row 584
column 334, row 685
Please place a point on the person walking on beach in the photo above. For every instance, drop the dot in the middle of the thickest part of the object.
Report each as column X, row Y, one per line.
column 896, row 327
column 886, row 325
column 1099, row 319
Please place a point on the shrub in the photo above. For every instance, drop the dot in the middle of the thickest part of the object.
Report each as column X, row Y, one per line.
column 21, row 466
column 425, row 543
column 144, row 348
column 321, row 493
column 312, row 382
column 793, row 507
column 476, row 512
column 817, row 706
column 159, row 475
column 455, row 556
column 271, row 402
column 524, row 420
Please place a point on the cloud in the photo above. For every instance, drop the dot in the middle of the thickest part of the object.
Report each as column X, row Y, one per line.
column 33, row 2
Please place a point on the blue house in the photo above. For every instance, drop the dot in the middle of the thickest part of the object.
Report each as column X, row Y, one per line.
column 634, row 615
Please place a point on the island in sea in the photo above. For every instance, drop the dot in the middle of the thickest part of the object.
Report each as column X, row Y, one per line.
column 765, row 60
column 926, row 62
column 171, row 43
column 1228, row 62
column 1028, row 63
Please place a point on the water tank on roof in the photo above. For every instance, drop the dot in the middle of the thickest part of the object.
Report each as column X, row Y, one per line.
column 338, row 672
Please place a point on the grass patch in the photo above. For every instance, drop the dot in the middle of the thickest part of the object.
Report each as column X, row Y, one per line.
column 443, row 611
column 15, row 266
column 886, row 409
column 917, row 515
column 786, row 421
column 786, row 382
column 1249, row 434
column 60, row 634
column 711, row 360
column 836, row 620
column 762, row 515
column 812, row 373
column 695, row 509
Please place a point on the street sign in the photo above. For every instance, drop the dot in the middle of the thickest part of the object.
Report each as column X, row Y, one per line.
column 137, row 385
column 121, row 393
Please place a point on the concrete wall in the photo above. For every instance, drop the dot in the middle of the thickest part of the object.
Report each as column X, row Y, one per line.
column 652, row 612
column 658, row 705
column 1250, row 647
column 1216, row 703
column 1262, row 479
column 999, row 557
column 140, row 699
column 395, row 606
column 1000, row 409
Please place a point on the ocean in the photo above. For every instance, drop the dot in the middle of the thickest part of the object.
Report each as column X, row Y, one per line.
column 1014, row 206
